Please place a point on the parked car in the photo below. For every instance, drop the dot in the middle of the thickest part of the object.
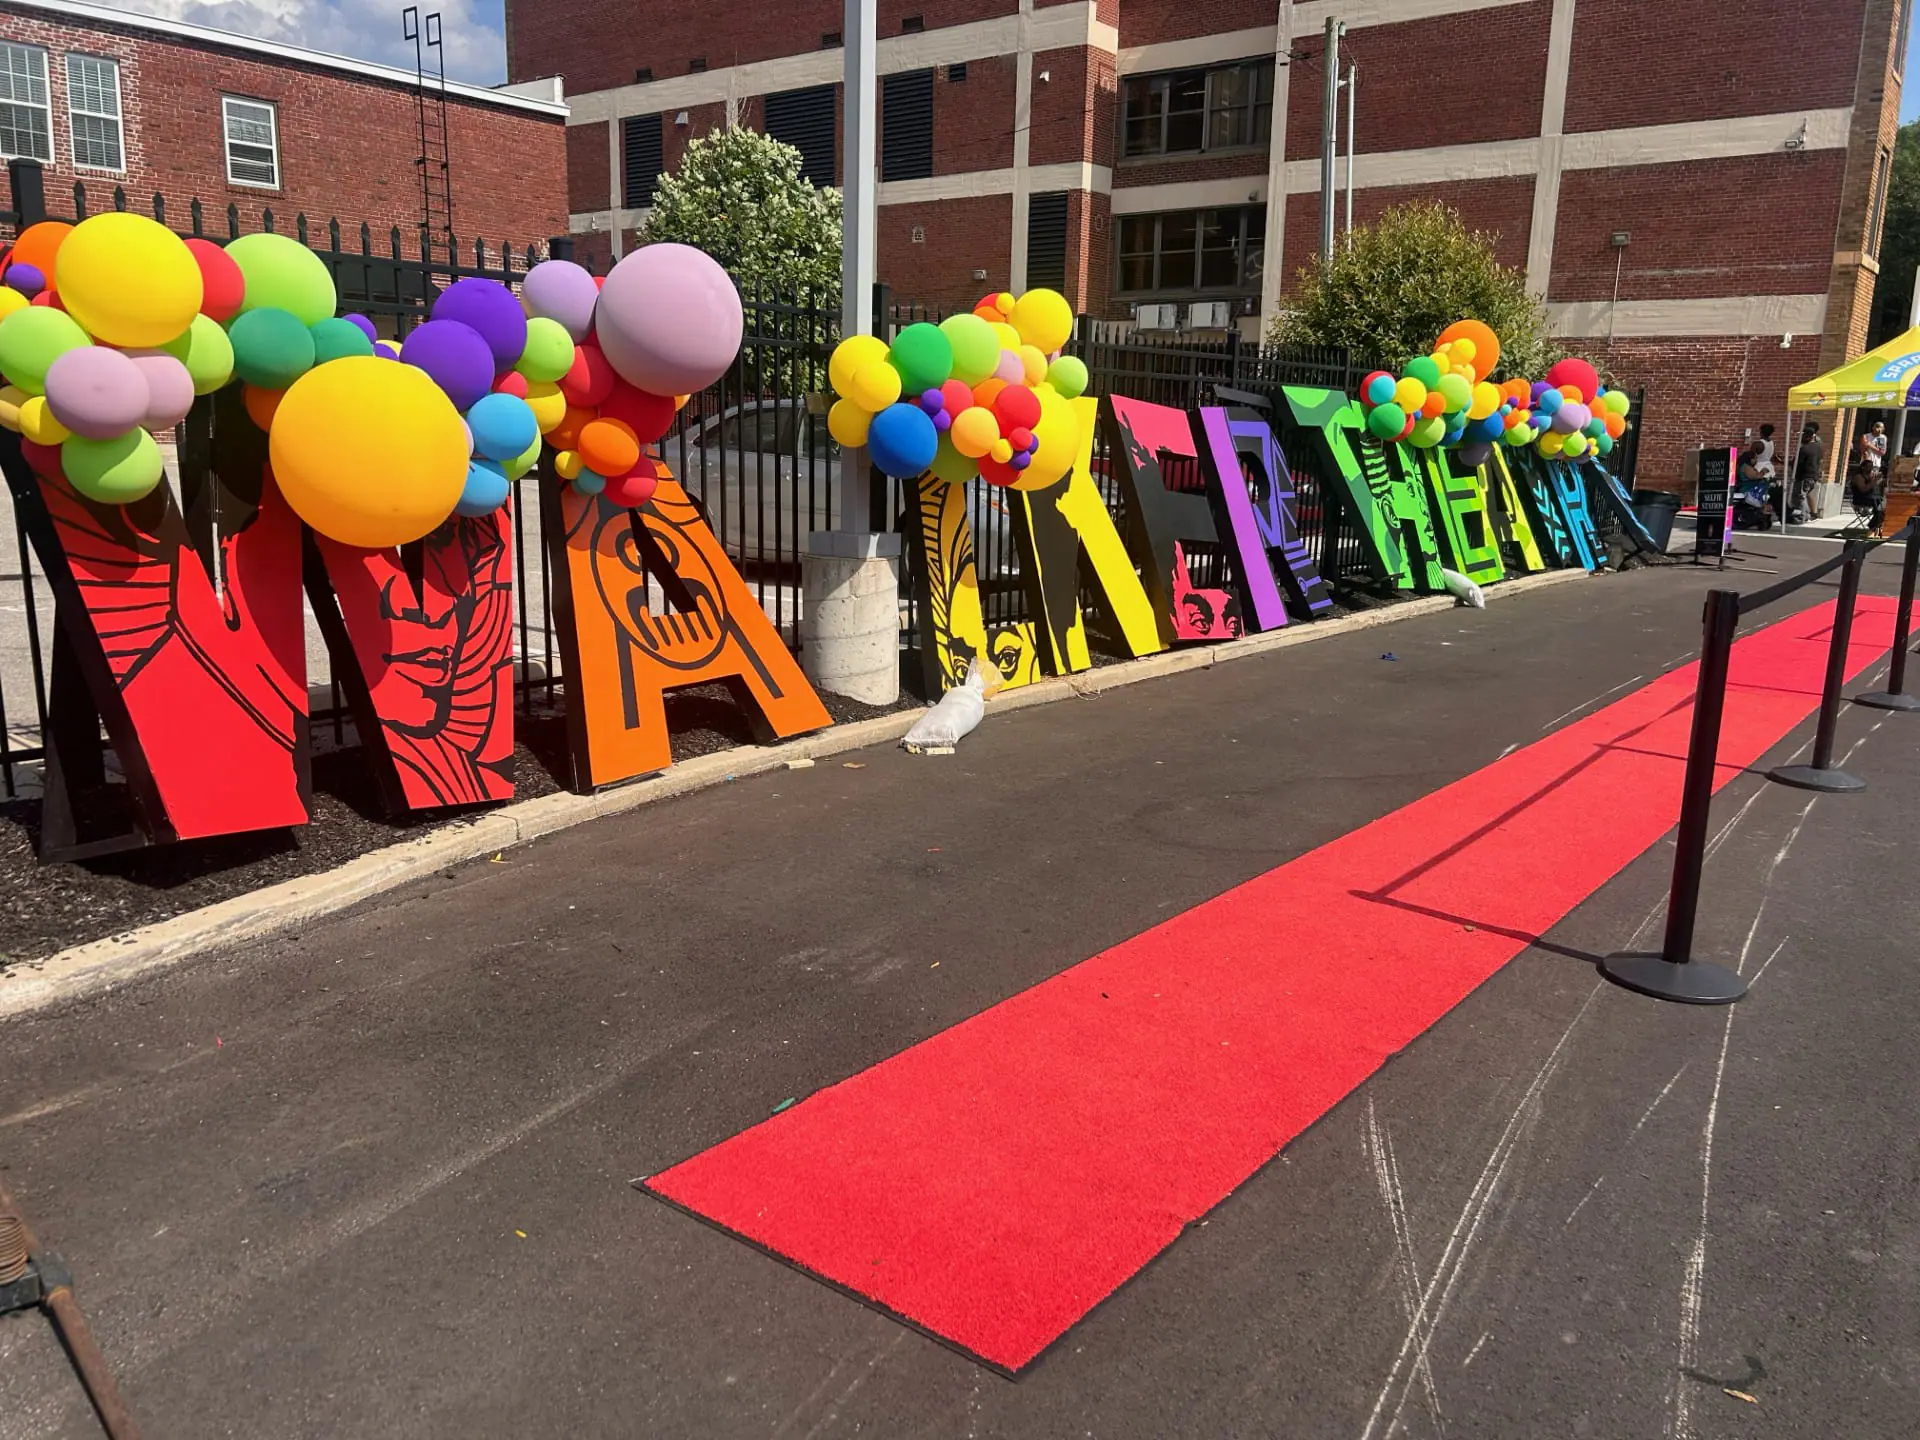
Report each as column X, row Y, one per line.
column 766, row 470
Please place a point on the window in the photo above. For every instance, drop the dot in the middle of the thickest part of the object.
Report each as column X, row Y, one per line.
column 913, row 25
column 957, row 73
column 1877, row 202
column 697, row 66
column 1047, row 240
column 1191, row 111
column 640, row 138
column 26, row 116
column 1901, row 34
column 642, row 74
column 253, row 142
column 1192, row 250
column 804, row 120
column 906, row 125
column 93, row 112
column 830, row 40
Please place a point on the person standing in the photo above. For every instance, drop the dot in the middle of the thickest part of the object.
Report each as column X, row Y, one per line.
column 1873, row 448
column 1809, row 466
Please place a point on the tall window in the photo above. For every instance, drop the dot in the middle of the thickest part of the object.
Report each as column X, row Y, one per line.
column 1900, row 35
column 640, row 135
column 26, row 116
column 1192, row 250
column 804, row 120
column 253, row 142
column 93, row 113
column 1189, row 112
column 1877, row 204
column 906, row 125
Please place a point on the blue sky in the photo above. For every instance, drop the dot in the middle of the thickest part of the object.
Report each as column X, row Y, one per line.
column 475, row 41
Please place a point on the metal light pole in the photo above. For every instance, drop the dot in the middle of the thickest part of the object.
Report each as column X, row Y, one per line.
column 1353, row 99
column 1329, row 135
column 858, row 208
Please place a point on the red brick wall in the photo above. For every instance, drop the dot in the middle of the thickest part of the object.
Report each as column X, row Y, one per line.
column 1251, row 164
column 958, row 237
column 1502, row 207
column 588, row 178
column 347, row 144
column 1752, row 225
column 1153, row 22
column 973, row 119
column 598, row 44
column 1641, row 63
column 1073, row 111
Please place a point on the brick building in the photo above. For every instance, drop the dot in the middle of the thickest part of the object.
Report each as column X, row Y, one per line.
column 1695, row 190
column 108, row 99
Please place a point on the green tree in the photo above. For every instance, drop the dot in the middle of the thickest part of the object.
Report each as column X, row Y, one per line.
column 1900, row 240
column 739, row 195
column 1403, row 280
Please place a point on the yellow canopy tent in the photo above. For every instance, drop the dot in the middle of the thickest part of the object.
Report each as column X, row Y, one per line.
column 1886, row 378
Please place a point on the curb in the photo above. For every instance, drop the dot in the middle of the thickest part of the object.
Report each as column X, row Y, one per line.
column 101, row 965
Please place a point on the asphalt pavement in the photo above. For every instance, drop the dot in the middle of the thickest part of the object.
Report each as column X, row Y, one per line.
column 374, row 1179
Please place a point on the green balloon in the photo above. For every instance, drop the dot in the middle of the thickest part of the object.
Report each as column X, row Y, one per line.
column 950, row 465
column 206, row 352
column 924, row 357
column 1458, row 392
column 521, row 464
column 1069, row 376
column 337, row 339
column 549, row 352
column 976, row 349
column 1519, row 435
column 31, row 339
column 1387, row 421
column 1428, row 430
column 283, row 274
column 1603, row 444
column 271, row 348
column 1425, row 371
column 113, row 472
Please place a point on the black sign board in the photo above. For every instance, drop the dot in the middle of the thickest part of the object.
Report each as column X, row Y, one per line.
column 1713, row 525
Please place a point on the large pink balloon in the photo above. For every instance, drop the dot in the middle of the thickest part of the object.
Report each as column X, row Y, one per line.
column 96, row 392
column 169, row 388
column 669, row 320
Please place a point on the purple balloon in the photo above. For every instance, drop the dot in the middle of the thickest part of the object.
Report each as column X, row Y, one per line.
column 1021, row 459
column 488, row 308
column 27, row 279
column 669, row 320
column 169, row 388
column 943, row 422
column 455, row 355
column 97, row 392
column 363, row 325
column 932, row 401
column 386, row 350
column 561, row 291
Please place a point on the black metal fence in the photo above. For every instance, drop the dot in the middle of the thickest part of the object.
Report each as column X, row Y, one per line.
column 753, row 448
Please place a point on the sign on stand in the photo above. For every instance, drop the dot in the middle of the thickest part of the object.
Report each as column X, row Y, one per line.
column 1713, row 525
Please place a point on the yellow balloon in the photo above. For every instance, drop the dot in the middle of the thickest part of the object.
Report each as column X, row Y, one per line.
column 1409, row 394
column 568, row 464
column 128, row 280
column 37, row 422
column 1009, row 337
column 850, row 357
column 1058, row 432
column 848, row 423
column 1044, row 320
column 549, row 406
column 1442, row 362
column 1002, row 451
column 1033, row 363
column 874, row 387
column 1551, row 442
column 10, row 301
column 1486, row 400
column 368, row 452
column 11, row 399
column 974, row 431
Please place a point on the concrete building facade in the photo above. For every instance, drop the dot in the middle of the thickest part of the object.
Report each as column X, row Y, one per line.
column 1694, row 191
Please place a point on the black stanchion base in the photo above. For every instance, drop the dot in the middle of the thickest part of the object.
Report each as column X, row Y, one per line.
column 1885, row 700
column 1828, row 782
column 1694, row 983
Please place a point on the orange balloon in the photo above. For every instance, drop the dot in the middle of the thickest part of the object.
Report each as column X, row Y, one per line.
column 1434, row 404
column 1572, row 392
column 1616, row 425
column 984, row 392
column 261, row 404
column 566, row 435
column 1486, row 344
column 37, row 244
column 609, row 447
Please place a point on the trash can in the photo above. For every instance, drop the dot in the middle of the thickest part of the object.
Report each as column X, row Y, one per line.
column 1656, row 509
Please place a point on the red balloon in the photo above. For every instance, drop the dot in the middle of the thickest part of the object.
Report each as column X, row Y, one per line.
column 1017, row 408
column 590, row 380
column 955, row 396
column 648, row 416
column 223, row 284
column 995, row 473
column 636, row 487
column 48, row 298
column 45, row 459
column 1406, row 429
column 1021, row 438
column 1579, row 374
column 512, row 383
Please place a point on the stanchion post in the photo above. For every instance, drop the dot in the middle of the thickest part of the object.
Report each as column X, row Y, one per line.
column 1821, row 774
column 1895, row 696
column 1674, row 974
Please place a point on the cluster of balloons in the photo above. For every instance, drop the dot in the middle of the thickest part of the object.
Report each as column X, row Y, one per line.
column 109, row 329
column 1445, row 399
column 979, row 394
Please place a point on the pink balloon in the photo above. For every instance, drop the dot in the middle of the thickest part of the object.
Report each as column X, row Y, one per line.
column 669, row 320
column 169, row 388
column 1570, row 417
column 561, row 291
column 97, row 392
column 1011, row 368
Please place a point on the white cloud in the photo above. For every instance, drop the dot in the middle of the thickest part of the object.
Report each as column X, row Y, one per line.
column 472, row 31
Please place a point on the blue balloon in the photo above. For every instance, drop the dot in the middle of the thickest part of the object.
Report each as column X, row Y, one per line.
column 503, row 426
column 902, row 441
column 588, row 483
column 486, row 490
column 1549, row 401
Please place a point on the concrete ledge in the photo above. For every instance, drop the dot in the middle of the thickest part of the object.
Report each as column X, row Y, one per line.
column 102, row 965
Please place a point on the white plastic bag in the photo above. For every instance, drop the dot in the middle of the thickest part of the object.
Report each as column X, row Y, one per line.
column 959, row 711
column 1463, row 589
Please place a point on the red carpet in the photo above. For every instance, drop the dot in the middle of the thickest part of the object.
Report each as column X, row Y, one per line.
column 997, row 1181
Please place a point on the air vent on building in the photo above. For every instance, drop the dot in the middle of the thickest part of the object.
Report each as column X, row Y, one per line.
column 912, row 25
column 906, row 126
column 804, row 120
column 919, row 235
column 830, row 40
column 640, row 136
column 697, row 66
column 1156, row 317
column 957, row 73
column 1047, row 240
column 642, row 74
column 1209, row 315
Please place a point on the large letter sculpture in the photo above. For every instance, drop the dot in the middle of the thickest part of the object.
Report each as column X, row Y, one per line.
column 1333, row 421
column 622, row 657
column 1158, row 518
column 1615, row 501
column 1464, row 530
column 1236, row 437
column 1568, row 492
column 195, row 662
column 1510, row 515
column 953, row 626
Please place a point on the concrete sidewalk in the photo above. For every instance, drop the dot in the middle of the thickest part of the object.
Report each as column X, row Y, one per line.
column 372, row 1179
